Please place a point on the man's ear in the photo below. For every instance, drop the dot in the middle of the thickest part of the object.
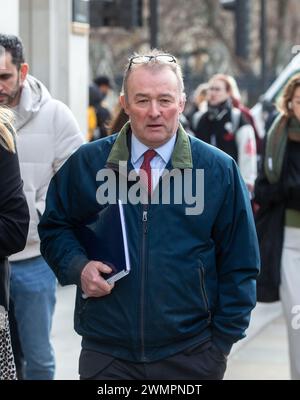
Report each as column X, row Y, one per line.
column 123, row 103
column 24, row 71
column 182, row 102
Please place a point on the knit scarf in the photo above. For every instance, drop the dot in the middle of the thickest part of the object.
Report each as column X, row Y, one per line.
column 217, row 112
column 282, row 128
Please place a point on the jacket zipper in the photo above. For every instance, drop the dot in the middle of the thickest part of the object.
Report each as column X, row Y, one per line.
column 143, row 266
column 204, row 294
column 145, row 229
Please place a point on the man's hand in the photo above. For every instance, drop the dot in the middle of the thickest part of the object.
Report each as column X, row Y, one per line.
column 92, row 283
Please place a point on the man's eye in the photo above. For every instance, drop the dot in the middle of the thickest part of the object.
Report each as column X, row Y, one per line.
column 165, row 102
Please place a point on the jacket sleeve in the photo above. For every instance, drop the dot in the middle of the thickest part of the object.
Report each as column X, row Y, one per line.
column 14, row 214
column 247, row 158
column 66, row 204
column 237, row 258
column 67, row 139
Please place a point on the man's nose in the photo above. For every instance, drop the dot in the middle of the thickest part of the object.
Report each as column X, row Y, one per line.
column 3, row 86
column 154, row 109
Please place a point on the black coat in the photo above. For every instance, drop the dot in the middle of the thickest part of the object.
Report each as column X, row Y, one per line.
column 14, row 217
column 269, row 221
column 269, row 226
column 273, row 200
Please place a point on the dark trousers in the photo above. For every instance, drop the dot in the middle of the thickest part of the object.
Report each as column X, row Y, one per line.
column 202, row 362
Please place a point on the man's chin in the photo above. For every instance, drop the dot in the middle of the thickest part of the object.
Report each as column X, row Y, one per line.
column 156, row 138
column 155, row 133
column 158, row 131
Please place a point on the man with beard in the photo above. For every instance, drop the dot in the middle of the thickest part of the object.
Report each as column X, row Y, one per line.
column 11, row 77
column 47, row 135
column 226, row 127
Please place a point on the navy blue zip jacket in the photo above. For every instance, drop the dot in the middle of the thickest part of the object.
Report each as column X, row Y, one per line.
column 193, row 277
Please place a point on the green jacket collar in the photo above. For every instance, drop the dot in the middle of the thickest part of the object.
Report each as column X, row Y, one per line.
column 181, row 156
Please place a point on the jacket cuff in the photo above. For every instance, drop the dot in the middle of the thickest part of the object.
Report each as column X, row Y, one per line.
column 75, row 268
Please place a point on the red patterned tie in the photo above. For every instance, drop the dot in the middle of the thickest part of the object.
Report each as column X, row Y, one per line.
column 148, row 155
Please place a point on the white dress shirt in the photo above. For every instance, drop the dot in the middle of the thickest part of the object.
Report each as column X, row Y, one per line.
column 158, row 163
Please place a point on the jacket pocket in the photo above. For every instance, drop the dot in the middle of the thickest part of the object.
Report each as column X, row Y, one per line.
column 203, row 291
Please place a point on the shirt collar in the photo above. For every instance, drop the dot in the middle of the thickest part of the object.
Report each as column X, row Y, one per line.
column 138, row 149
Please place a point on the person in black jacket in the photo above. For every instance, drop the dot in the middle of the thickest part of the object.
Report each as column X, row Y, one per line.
column 227, row 127
column 277, row 191
column 14, row 221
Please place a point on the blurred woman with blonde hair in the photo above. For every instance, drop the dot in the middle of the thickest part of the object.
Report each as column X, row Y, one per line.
column 227, row 128
column 277, row 191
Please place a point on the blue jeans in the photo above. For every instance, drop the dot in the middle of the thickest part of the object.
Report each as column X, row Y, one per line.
column 33, row 287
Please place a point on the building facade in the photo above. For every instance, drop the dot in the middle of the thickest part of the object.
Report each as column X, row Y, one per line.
column 56, row 41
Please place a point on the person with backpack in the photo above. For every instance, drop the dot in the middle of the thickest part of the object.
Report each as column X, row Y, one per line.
column 227, row 128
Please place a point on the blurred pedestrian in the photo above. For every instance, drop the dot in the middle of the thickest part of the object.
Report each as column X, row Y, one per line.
column 14, row 221
column 102, row 83
column 94, row 124
column 47, row 136
column 199, row 105
column 277, row 191
column 226, row 127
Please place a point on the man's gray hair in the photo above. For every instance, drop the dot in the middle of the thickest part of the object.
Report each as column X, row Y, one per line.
column 152, row 62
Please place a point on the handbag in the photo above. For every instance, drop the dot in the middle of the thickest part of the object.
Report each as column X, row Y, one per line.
column 7, row 364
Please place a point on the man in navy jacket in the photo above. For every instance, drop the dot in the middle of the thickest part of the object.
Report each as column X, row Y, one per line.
column 192, row 284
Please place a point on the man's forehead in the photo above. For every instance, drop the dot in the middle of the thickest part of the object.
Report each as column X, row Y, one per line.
column 155, row 70
column 2, row 57
column 5, row 60
column 138, row 75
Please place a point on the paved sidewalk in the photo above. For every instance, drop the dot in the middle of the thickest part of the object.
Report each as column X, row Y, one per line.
column 263, row 357
column 263, row 354
column 66, row 342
